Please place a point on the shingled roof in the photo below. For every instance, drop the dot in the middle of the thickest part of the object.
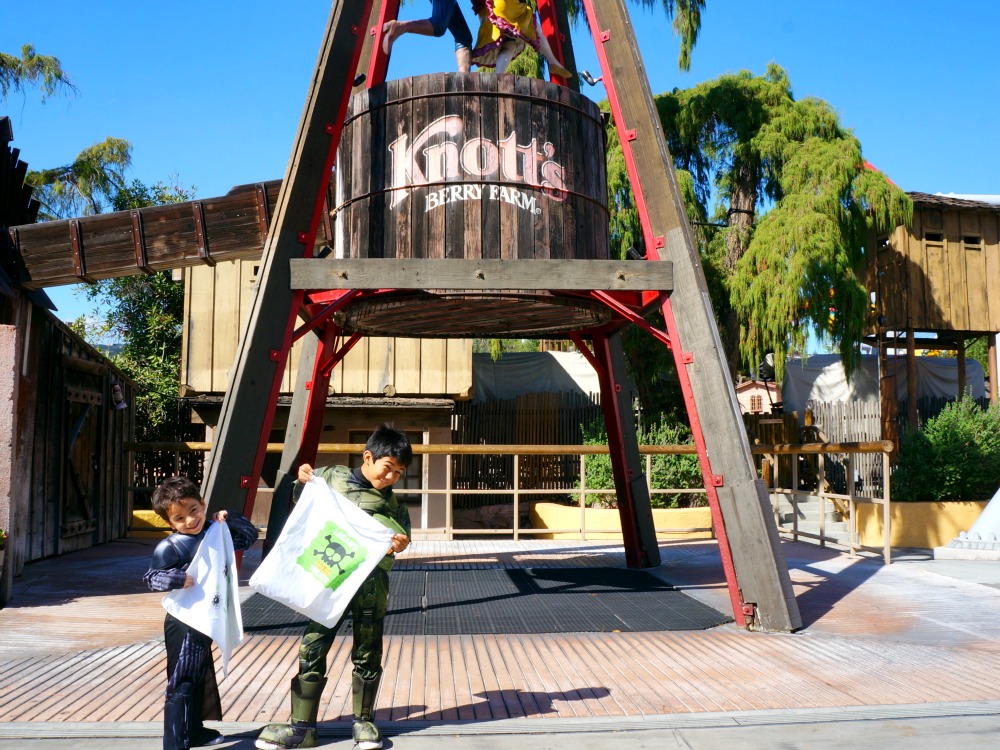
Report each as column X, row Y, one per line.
column 922, row 200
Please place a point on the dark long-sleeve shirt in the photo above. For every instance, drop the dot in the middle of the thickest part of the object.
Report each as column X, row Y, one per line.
column 171, row 570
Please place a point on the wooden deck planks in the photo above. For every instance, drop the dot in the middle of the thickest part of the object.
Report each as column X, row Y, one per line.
column 888, row 636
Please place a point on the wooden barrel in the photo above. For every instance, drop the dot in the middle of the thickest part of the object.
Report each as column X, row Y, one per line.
column 471, row 165
column 456, row 165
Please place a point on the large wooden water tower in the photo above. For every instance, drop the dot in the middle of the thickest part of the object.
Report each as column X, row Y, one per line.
column 475, row 205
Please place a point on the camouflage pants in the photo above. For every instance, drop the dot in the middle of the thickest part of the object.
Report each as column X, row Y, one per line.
column 367, row 610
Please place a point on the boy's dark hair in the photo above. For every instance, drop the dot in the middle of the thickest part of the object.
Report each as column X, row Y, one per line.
column 388, row 441
column 171, row 491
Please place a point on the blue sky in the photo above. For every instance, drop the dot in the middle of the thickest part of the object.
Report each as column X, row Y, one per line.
column 212, row 92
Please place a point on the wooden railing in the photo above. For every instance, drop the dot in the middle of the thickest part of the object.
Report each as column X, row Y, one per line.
column 769, row 455
column 877, row 490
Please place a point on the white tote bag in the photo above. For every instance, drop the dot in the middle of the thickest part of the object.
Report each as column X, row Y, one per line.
column 212, row 605
column 326, row 550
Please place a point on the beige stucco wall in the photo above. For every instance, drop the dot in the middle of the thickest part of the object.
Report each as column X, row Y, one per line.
column 603, row 523
column 924, row 525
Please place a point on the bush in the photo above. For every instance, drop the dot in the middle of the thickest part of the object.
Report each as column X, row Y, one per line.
column 955, row 457
column 667, row 472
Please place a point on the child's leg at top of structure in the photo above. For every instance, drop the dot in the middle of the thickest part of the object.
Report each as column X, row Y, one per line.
column 463, row 38
column 506, row 55
column 555, row 67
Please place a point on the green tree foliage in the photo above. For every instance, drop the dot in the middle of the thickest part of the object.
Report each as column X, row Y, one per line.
column 783, row 245
column 31, row 69
column 955, row 457
column 686, row 15
column 667, row 472
column 144, row 315
column 86, row 186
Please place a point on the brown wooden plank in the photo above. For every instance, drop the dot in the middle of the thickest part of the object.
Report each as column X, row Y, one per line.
column 915, row 258
column 974, row 259
column 402, row 668
column 955, row 304
column 477, row 684
column 991, row 249
column 473, row 273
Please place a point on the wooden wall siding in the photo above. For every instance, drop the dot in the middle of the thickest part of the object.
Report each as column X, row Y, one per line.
column 563, row 180
column 217, row 299
column 76, row 495
column 946, row 284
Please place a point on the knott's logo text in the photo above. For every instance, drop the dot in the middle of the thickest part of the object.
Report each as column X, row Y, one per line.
column 441, row 154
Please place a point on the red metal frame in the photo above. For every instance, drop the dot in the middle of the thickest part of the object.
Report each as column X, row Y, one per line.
column 550, row 28
column 681, row 358
column 624, row 305
column 610, row 392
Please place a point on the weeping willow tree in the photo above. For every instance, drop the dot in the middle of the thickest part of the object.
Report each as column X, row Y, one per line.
column 43, row 72
column 87, row 185
column 792, row 203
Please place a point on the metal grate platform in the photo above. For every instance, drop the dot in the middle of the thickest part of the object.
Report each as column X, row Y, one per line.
column 538, row 600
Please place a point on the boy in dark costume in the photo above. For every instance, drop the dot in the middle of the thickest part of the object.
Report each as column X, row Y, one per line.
column 192, row 692
column 386, row 456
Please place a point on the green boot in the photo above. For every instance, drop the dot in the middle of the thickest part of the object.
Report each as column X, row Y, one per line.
column 366, row 734
column 300, row 731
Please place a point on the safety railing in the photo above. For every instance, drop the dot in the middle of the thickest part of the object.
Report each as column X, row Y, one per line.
column 876, row 493
column 519, row 494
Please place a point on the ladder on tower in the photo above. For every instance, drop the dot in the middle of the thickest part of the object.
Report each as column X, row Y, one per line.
column 351, row 56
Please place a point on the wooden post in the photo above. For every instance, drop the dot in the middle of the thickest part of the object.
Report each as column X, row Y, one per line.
column 234, row 464
column 911, row 381
column 756, row 573
column 9, row 430
column 994, row 375
column 281, row 501
column 962, row 375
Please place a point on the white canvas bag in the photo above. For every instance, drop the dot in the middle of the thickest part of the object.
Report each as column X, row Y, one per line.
column 212, row 605
column 326, row 550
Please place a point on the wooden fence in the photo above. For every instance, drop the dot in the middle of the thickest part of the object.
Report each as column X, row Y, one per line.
column 532, row 419
column 843, row 422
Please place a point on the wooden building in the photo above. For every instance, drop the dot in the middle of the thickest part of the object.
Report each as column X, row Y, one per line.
column 413, row 383
column 64, row 472
column 940, row 276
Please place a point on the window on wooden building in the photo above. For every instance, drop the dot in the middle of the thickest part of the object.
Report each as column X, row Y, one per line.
column 971, row 242
column 936, row 238
column 756, row 403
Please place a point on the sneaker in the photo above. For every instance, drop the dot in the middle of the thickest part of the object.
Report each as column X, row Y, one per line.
column 366, row 736
column 282, row 736
column 205, row 737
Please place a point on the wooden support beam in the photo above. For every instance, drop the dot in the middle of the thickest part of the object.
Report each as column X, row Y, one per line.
column 234, row 465
column 463, row 273
column 911, row 381
column 962, row 374
column 756, row 573
column 994, row 369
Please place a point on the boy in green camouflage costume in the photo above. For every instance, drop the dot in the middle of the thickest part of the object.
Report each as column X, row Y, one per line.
column 387, row 454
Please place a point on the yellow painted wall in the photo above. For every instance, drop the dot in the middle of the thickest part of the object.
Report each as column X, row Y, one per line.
column 925, row 525
column 603, row 523
column 146, row 524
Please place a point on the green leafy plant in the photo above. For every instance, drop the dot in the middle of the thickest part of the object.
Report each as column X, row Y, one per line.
column 3, row 538
column 666, row 471
column 955, row 457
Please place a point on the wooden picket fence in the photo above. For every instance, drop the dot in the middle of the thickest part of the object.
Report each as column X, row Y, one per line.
column 531, row 419
column 844, row 422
